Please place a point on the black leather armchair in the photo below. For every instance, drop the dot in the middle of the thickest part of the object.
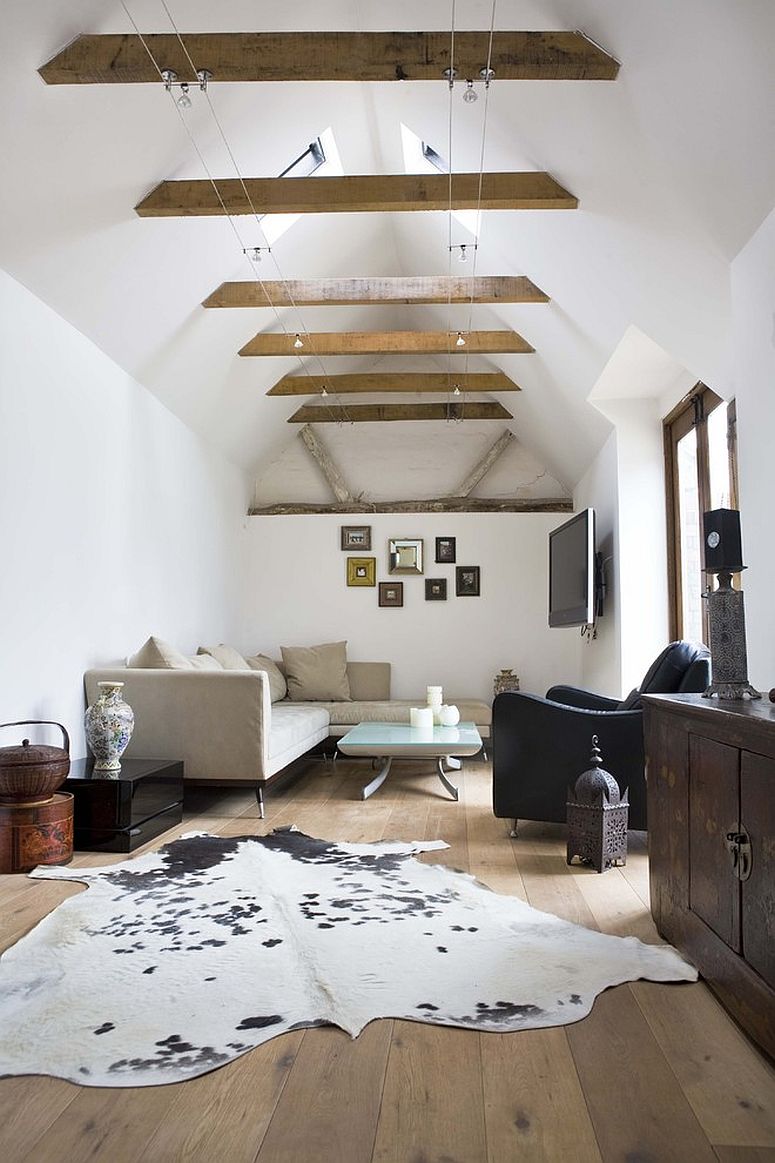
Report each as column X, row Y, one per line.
column 541, row 746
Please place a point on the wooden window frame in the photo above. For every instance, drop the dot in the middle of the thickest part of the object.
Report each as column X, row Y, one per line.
column 692, row 412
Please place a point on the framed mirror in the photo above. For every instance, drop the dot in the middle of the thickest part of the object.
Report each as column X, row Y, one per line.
column 405, row 555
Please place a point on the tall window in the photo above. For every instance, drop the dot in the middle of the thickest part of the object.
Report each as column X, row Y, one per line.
column 701, row 471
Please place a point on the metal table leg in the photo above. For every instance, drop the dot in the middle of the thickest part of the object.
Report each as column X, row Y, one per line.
column 443, row 777
column 378, row 780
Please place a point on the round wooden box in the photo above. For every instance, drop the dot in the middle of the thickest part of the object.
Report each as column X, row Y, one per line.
column 40, row 833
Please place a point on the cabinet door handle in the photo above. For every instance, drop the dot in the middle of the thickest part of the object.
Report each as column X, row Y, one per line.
column 739, row 846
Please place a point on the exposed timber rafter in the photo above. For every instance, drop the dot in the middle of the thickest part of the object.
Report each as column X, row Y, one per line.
column 437, row 505
column 356, row 193
column 393, row 382
column 327, row 465
column 485, row 464
column 329, row 56
column 395, row 342
column 379, row 413
column 368, row 291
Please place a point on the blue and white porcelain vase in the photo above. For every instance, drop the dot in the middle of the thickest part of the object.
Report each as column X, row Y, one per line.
column 109, row 723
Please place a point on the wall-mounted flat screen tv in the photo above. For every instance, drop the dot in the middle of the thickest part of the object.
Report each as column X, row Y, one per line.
column 572, row 571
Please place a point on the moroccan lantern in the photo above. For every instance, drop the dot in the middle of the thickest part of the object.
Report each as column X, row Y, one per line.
column 597, row 817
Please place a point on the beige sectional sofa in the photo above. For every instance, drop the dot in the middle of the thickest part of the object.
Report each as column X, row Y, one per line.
column 226, row 729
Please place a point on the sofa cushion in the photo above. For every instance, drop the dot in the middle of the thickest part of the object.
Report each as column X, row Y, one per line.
column 204, row 662
column 227, row 656
column 293, row 724
column 278, row 687
column 317, row 673
column 633, row 702
column 157, row 654
column 369, row 681
column 397, row 711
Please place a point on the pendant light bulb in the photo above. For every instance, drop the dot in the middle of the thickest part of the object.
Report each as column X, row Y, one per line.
column 184, row 101
column 460, row 342
column 323, row 393
column 470, row 95
column 456, row 390
column 298, row 341
column 463, row 255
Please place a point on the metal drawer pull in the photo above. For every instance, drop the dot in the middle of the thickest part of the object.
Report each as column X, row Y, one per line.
column 739, row 846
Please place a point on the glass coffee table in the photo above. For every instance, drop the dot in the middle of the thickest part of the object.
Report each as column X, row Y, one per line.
column 389, row 741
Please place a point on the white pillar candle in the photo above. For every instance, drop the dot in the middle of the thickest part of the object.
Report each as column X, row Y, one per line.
column 434, row 695
column 421, row 719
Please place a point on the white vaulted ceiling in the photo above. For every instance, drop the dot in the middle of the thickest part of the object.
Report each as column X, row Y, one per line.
column 672, row 163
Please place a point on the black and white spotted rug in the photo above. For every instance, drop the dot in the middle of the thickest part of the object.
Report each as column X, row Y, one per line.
column 178, row 962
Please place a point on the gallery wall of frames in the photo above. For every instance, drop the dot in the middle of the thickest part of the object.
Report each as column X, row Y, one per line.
column 404, row 558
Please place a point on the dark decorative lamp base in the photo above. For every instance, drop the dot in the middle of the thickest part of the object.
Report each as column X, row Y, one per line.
column 729, row 658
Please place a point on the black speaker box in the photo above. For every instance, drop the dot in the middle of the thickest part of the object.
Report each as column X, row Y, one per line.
column 723, row 545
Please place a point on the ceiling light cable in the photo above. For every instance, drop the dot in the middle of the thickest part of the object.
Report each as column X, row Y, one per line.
column 450, row 73
column 487, row 74
column 293, row 304
column 204, row 75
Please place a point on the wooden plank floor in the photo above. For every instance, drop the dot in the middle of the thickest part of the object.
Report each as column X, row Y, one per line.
column 655, row 1074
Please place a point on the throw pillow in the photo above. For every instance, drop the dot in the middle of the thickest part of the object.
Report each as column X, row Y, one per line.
column 278, row 687
column 205, row 662
column 317, row 673
column 229, row 658
column 159, row 654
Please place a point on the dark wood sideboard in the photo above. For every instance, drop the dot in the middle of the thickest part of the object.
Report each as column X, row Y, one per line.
column 710, row 771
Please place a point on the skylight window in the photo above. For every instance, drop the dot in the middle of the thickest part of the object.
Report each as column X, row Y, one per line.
column 421, row 158
column 320, row 158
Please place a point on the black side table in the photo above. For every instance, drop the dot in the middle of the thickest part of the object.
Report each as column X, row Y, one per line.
column 121, row 811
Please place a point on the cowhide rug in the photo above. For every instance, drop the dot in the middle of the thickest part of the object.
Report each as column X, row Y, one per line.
column 179, row 961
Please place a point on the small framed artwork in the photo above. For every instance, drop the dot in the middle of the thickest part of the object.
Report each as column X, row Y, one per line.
column 445, row 550
column 391, row 593
column 405, row 555
column 467, row 581
column 361, row 571
column 356, row 538
column 435, row 589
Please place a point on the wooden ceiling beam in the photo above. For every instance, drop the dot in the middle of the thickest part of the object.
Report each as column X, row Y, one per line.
column 437, row 505
column 379, row 413
column 356, row 193
column 380, row 342
column 393, row 382
column 393, row 290
column 329, row 56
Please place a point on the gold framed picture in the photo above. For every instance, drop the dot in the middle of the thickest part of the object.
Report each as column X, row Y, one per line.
column 361, row 571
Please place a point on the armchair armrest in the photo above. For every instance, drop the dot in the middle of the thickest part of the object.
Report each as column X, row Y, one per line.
column 540, row 748
column 571, row 696
column 216, row 722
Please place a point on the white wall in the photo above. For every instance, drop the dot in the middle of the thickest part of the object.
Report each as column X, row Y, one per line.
column 601, row 664
column 116, row 522
column 296, row 595
column 753, row 298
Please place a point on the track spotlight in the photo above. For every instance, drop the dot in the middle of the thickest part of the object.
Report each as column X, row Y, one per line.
column 255, row 252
